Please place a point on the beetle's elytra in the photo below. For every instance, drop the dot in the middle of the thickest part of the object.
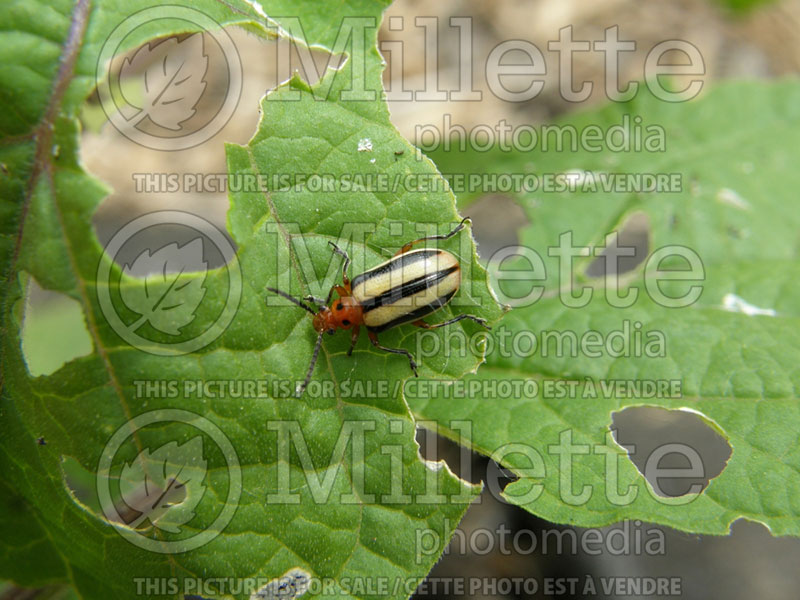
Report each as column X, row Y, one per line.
column 404, row 289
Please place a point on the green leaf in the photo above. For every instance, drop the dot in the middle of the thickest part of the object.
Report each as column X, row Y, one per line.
column 328, row 488
column 732, row 354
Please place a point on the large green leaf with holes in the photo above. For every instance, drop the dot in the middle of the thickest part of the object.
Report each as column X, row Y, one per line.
column 731, row 353
column 327, row 489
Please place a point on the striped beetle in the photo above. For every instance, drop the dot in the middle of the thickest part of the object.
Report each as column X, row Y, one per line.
column 410, row 285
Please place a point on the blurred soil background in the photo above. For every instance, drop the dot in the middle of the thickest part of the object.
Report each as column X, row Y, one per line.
column 763, row 42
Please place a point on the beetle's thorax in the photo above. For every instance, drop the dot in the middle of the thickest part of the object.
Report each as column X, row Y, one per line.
column 347, row 312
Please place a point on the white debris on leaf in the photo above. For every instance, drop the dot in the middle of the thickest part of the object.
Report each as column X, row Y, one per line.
column 576, row 177
column 372, row 161
column 292, row 584
column 433, row 465
column 365, row 145
column 257, row 7
column 728, row 196
column 734, row 303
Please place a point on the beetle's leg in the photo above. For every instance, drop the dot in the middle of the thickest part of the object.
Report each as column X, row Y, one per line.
column 446, row 236
column 353, row 339
column 342, row 253
column 373, row 337
column 342, row 291
column 302, row 387
column 424, row 325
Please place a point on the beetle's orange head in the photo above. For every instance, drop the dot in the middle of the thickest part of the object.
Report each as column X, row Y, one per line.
column 323, row 321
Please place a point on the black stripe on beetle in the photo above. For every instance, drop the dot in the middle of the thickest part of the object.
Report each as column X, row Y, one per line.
column 417, row 314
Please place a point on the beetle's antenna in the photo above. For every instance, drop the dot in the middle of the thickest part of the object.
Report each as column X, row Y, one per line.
column 302, row 387
column 293, row 299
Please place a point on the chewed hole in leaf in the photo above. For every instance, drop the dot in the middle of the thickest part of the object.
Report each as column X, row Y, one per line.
column 466, row 464
column 630, row 250
column 165, row 87
column 160, row 487
column 146, row 179
column 82, row 485
column 175, row 244
column 165, row 259
column 496, row 221
column 433, row 447
column 309, row 65
column 677, row 451
column 53, row 330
